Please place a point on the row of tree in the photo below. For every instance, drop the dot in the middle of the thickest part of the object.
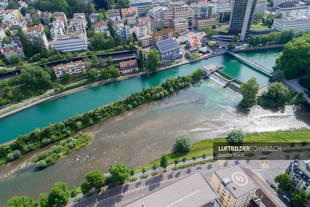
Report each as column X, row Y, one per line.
column 57, row 131
column 273, row 38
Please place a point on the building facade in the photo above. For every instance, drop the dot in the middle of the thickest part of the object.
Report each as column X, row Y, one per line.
column 114, row 14
column 157, row 16
column 143, row 26
column 128, row 66
column 71, row 68
column 150, row 40
column 241, row 17
column 37, row 32
column 130, row 15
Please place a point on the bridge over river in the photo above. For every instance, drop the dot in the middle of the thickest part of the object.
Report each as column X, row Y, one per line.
column 262, row 69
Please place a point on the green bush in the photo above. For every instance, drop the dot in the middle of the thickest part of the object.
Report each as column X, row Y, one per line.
column 144, row 176
column 235, row 137
column 183, row 144
column 154, row 173
column 305, row 82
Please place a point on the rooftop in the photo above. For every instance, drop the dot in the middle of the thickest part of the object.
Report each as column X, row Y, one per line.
column 129, row 11
column 161, row 32
column 236, row 181
column 167, row 45
column 192, row 191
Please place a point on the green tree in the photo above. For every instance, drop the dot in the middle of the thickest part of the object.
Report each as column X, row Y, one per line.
column 276, row 96
column 197, row 74
column 15, row 59
column 143, row 170
column 141, row 60
column 283, row 181
column 176, row 161
column 34, row 77
column 183, row 144
column 119, row 173
column 109, row 60
column 249, row 91
column 6, row 39
column 59, row 195
column 93, row 179
column 300, row 197
column 43, row 200
column 230, row 46
column 164, row 161
column 235, row 137
column 184, row 160
column 153, row 60
column 295, row 58
column 92, row 74
column 208, row 31
column 132, row 172
column 21, row 201
column 104, row 74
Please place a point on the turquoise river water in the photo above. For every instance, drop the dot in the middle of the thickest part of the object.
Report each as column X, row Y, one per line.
column 205, row 110
column 62, row 108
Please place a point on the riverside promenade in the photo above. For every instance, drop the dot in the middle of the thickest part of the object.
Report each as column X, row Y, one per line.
column 125, row 194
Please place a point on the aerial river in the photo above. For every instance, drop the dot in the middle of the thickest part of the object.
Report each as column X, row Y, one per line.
column 205, row 110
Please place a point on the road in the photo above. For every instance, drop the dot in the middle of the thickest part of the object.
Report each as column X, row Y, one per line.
column 122, row 195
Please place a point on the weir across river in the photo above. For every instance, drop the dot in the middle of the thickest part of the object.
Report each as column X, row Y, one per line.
column 265, row 71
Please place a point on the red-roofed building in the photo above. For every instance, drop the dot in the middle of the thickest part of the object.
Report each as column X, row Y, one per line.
column 37, row 32
column 128, row 66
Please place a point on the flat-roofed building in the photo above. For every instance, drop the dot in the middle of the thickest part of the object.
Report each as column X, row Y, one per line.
column 300, row 24
column 150, row 40
column 142, row 6
column 101, row 26
column 201, row 24
column 157, row 16
column 190, row 191
column 233, row 186
column 180, row 25
column 71, row 68
column 71, row 43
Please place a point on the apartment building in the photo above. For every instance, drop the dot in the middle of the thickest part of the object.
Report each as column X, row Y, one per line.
column 71, row 43
column 261, row 6
column 178, row 15
column 130, row 15
column 61, row 16
column 299, row 172
column 143, row 26
column 101, row 26
column 128, row 66
column 204, row 10
column 71, row 68
column 78, row 23
column 11, row 16
column 142, row 6
column 233, row 187
column 150, row 40
column 114, row 14
column 37, row 32
column 57, row 28
column 157, row 16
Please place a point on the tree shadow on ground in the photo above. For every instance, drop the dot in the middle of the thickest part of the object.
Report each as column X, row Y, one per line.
column 154, row 182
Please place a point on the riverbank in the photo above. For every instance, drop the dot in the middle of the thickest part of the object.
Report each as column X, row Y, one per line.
column 50, row 95
column 258, row 48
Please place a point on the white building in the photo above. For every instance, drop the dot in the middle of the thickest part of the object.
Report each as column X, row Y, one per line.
column 143, row 26
column 261, row 6
column 114, row 14
column 71, row 68
column 71, row 43
column 101, row 26
column 36, row 32
column 57, row 28
column 277, row 3
column 298, row 24
column 12, row 16
column 78, row 23
column 157, row 16
column 142, row 5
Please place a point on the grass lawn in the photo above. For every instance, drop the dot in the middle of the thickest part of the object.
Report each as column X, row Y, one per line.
column 222, row 27
column 259, row 27
column 206, row 146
